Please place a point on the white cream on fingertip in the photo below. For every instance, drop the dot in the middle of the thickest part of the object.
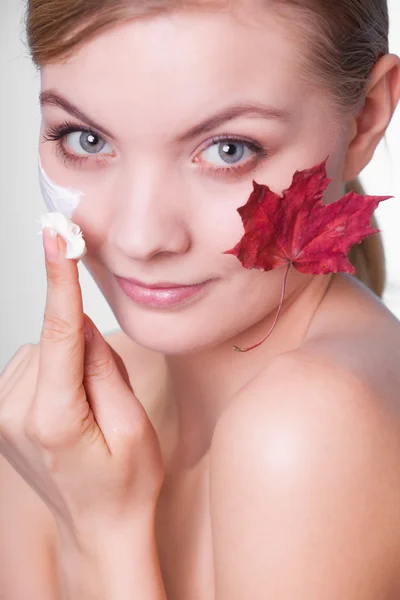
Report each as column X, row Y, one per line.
column 57, row 198
column 68, row 230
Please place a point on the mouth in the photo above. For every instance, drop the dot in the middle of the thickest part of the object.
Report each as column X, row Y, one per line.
column 160, row 295
column 166, row 285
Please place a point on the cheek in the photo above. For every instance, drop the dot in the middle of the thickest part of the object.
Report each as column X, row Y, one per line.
column 219, row 225
column 81, row 207
column 57, row 198
column 94, row 226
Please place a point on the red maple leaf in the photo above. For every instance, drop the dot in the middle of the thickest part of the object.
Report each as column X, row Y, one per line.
column 297, row 229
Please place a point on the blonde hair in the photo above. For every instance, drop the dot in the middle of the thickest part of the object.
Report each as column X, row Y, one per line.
column 342, row 41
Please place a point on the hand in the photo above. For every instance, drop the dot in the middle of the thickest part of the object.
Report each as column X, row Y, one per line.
column 70, row 423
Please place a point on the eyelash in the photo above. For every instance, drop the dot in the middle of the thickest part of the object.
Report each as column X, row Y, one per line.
column 58, row 133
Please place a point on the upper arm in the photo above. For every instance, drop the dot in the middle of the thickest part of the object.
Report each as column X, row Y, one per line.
column 28, row 561
column 305, row 490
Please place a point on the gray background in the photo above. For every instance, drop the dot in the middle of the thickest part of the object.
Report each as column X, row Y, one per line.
column 22, row 282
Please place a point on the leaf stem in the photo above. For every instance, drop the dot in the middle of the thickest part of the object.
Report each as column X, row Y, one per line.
column 236, row 348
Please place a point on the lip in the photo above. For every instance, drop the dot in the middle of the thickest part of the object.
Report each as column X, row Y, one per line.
column 157, row 296
column 166, row 285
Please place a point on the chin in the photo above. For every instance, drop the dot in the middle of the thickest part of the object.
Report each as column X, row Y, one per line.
column 167, row 340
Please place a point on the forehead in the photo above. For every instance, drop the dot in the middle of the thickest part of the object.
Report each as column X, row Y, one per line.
column 171, row 65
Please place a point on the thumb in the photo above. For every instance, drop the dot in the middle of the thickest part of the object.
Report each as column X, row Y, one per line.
column 91, row 330
column 116, row 409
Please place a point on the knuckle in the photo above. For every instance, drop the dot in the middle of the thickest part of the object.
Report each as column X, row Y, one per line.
column 45, row 440
column 11, row 424
column 6, row 426
column 56, row 274
column 52, row 432
column 19, row 355
column 141, row 429
column 27, row 348
column 37, row 429
column 100, row 368
column 58, row 329
column 41, row 433
column 31, row 429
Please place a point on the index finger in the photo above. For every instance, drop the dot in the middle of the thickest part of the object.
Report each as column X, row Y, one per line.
column 62, row 342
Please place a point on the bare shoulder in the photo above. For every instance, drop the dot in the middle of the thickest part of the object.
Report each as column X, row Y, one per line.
column 305, row 485
column 307, row 398
column 348, row 365
column 354, row 330
column 339, row 389
column 312, row 445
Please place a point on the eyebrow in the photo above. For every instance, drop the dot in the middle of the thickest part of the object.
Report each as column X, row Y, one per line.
column 233, row 112
column 53, row 98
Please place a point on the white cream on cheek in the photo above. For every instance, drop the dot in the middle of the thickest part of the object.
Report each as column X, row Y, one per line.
column 57, row 198
column 61, row 202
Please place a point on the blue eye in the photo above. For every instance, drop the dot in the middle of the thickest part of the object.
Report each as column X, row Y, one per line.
column 81, row 142
column 75, row 143
column 228, row 151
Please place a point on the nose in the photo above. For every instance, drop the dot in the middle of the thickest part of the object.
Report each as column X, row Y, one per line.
column 148, row 218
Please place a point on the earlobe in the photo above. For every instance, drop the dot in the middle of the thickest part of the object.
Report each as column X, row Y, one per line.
column 382, row 97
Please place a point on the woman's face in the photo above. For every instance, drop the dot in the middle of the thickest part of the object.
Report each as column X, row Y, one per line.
column 161, row 194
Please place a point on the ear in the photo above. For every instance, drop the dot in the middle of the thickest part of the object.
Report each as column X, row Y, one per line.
column 368, row 128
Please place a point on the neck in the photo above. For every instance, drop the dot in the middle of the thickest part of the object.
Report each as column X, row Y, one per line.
column 202, row 384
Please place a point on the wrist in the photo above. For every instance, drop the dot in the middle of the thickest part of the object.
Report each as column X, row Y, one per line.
column 95, row 539
column 110, row 565
column 79, row 575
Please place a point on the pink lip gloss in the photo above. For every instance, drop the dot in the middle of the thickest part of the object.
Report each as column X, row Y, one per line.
column 159, row 297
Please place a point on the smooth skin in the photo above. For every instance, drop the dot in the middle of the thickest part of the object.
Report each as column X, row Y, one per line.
column 281, row 466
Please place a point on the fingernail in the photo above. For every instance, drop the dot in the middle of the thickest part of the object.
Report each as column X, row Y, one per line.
column 50, row 244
